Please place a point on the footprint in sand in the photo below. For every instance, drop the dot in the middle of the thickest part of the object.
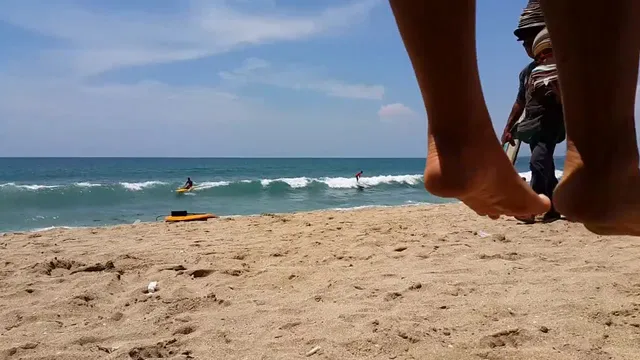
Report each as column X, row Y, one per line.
column 117, row 316
column 198, row 273
column 184, row 330
column 86, row 340
column 159, row 350
column 415, row 286
column 47, row 268
column 512, row 337
column 392, row 296
column 84, row 299
column 14, row 350
column 627, row 316
column 409, row 336
column 510, row 256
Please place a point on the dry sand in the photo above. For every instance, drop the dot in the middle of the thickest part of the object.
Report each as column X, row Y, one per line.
column 434, row 282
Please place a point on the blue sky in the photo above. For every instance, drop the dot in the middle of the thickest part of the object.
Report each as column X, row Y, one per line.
column 225, row 78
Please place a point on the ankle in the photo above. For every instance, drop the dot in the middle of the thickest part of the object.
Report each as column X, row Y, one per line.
column 615, row 167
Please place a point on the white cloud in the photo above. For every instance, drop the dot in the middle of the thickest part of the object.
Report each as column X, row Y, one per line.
column 96, row 42
column 395, row 111
column 51, row 104
column 61, row 117
column 260, row 71
column 64, row 118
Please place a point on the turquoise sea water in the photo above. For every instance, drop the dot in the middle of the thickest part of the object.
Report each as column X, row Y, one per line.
column 38, row 193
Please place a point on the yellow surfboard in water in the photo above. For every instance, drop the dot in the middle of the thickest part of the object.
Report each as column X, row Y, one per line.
column 183, row 190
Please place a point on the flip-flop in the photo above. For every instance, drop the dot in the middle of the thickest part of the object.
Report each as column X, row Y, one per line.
column 549, row 219
column 526, row 220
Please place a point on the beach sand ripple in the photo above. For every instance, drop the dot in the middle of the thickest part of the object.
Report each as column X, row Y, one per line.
column 419, row 282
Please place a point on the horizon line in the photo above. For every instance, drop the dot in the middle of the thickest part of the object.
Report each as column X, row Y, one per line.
column 229, row 157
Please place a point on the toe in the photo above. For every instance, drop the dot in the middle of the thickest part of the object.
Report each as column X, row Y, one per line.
column 546, row 203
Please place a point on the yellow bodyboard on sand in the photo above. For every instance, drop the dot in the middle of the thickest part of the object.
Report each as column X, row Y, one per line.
column 190, row 217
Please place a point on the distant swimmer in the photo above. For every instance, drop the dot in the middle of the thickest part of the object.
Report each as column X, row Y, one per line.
column 358, row 175
column 188, row 184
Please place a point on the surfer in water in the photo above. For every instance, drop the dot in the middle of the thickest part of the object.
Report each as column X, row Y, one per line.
column 600, row 186
column 358, row 176
column 188, row 184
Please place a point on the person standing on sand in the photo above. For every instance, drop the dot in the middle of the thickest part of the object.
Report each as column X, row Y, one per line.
column 543, row 126
column 542, row 140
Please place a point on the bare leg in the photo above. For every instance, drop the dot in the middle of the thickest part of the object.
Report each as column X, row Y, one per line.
column 465, row 159
column 596, row 48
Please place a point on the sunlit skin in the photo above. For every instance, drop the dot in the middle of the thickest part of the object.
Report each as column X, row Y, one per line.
column 601, row 182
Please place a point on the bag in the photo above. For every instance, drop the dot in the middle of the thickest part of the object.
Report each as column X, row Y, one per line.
column 530, row 124
column 524, row 129
column 528, row 130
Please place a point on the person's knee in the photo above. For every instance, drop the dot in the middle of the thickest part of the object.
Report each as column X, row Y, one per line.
column 536, row 163
column 541, row 157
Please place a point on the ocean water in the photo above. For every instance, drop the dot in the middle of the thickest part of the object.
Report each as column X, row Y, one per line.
column 40, row 193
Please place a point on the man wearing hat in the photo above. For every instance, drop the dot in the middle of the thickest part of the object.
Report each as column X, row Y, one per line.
column 542, row 139
column 530, row 24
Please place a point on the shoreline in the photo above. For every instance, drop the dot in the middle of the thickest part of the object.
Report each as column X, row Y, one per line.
column 409, row 282
column 355, row 208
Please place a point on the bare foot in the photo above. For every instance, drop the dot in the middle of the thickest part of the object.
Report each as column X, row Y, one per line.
column 478, row 173
column 601, row 183
column 605, row 200
column 464, row 160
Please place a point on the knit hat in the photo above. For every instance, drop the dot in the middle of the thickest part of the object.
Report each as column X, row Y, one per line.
column 531, row 20
column 541, row 42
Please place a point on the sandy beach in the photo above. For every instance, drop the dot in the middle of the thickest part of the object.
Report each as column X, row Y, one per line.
column 427, row 282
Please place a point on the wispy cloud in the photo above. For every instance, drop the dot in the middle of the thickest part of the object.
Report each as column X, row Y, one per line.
column 260, row 71
column 395, row 111
column 54, row 101
column 64, row 118
column 95, row 42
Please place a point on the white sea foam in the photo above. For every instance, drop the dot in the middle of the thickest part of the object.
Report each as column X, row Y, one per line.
column 87, row 185
column 345, row 183
column 137, row 186
column 31, row 187
column 209, row 184
column 527, row 175
column 296, row 183
column 292, row 182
